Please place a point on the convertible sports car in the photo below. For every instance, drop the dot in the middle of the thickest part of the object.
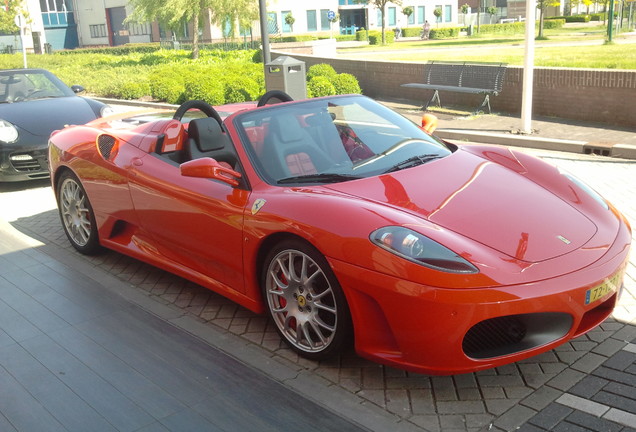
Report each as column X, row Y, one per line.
column 34, row 103
column 348, row 223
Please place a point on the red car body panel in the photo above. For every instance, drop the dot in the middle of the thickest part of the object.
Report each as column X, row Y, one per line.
column 539, row 242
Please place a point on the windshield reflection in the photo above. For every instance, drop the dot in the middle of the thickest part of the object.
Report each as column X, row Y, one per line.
column 325, row 140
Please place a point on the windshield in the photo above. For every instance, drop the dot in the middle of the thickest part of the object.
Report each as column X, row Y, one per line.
column 19, row 86
column 333, row 139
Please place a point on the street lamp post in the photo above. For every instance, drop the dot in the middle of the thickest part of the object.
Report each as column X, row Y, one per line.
column 267, row 57
column 528, row 69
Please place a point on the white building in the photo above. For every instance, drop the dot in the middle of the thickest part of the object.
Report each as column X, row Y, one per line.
column 66, row 24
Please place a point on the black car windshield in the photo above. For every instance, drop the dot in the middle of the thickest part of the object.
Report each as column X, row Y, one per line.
column 326, row 140
column 20, row 86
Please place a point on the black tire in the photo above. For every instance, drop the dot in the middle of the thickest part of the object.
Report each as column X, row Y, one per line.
column 301, row 292
column 76, row 214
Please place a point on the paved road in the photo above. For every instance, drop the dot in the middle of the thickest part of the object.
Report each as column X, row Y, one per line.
column 77, row 355
column 548, row 386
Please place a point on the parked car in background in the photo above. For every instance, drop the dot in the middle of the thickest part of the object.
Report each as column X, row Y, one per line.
column 349, row 224
column 34, row 103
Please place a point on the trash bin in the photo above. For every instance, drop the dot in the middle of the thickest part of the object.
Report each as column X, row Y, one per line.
column 287, row 74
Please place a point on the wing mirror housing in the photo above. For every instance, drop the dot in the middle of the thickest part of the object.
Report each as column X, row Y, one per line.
column 77, row 89
column 210, row 169
column 429, row 123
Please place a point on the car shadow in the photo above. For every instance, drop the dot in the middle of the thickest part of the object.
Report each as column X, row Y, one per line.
column 24, row 185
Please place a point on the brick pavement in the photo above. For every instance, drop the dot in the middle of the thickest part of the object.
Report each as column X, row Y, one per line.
column 535, row 394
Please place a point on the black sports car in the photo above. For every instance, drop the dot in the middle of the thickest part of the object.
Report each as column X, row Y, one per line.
column 34, row 103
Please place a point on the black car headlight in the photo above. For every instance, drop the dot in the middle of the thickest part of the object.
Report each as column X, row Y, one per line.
column 8, row 132
column 420, row 249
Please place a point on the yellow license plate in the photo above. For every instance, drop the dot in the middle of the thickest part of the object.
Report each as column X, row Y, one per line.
column 600, row 291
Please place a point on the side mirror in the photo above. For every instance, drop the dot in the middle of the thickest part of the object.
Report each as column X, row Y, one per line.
column 211, row 169
column 429, row 123
column 77, row 89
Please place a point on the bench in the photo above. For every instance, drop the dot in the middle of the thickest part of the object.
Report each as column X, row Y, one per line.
column 462, row 77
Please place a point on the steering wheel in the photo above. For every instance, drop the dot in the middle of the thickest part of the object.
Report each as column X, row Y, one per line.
column 281, row 96
column 202, row 106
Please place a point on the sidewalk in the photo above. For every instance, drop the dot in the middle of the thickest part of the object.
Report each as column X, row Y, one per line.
column 547, row 133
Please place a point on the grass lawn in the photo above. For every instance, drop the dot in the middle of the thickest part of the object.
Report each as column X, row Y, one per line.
column 560, row 50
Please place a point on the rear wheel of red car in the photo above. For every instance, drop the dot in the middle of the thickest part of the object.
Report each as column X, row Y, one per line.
column 305, row 300
column 77, row 215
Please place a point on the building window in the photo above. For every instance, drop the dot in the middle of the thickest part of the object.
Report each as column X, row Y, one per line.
column 139, row 29
column 411, row 18
column 447, row 13
column 439, row 19
column 98, row 30
column 312, row 23
column 420, row 14
column 392, row 17
column 272, row 23
column 324, row 20
column 56, row 5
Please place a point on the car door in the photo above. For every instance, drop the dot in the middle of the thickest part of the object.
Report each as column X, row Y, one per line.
column 195, row 222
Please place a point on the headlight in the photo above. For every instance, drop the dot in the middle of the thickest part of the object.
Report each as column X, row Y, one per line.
column 591, row 192
column 106, row 111
column 420, row 249
column 8, row 132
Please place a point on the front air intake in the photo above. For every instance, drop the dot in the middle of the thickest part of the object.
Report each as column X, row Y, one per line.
column 511, row 334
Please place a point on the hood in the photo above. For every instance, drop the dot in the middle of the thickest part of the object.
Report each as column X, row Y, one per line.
column 41, row 116
column 483, row 201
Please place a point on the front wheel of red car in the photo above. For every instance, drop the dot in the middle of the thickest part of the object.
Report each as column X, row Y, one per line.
column 77, row 215
column 305, row 300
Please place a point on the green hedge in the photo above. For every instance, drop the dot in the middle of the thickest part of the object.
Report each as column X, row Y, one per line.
column 321, row 69
column 323, row 80
column 296, row 38
column 361, row 35
column 553, row 23
column 345, row 38
column 574, row 18
column 375, row 37
column 598, row 17
column 505, row 28
column 412, row 31
column 444, row 33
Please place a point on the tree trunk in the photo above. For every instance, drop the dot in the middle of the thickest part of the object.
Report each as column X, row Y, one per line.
column 383, row 26
column 195, row 33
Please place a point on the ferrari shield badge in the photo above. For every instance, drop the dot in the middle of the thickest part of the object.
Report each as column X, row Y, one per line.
column 258, row 204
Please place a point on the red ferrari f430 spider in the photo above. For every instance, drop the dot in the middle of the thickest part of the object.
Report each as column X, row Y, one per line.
column 349, row 224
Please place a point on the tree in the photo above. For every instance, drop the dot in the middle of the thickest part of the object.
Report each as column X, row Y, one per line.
column 407, row 11
column 438, row 15
column 381, row 5
column 290, row 20
column 173, row 12
column 492, row 11
column 542, row 5
column 464, row 10
column 8, row 14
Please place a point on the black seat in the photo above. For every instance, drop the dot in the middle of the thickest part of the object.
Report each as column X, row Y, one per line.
column 206, row 139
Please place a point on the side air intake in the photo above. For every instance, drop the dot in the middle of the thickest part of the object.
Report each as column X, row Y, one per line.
column 106, row 145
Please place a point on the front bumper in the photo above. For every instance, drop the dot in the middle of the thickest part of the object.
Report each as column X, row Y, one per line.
column 443, row 331
column 20, row 163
